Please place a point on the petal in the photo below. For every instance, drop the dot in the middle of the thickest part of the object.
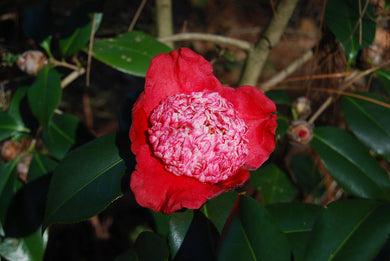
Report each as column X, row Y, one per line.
column 256, row 110
column 139, row 126
column 164, row 192
column 180, row 71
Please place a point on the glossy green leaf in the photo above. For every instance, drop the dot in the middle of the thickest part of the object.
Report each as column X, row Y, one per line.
column 369, row 122
column 6, row 187
column 296, row 220
column 14, row 107
column 81, row 23
column 31, row 248
column 252, row 234
column 349, row 24
column 279, row 97
column 40, row 165
column 130, row 53
column 37, row 21
column 273, row 184
column 307, row 177
column 179, row 224
column 151, row 247
column 85, row 182
column 350, row 230
column 61, row 134
column 161, row 222
column 384, row 75
column 9, row 126
column 282, row 127
column 218, row 209
column 350, row 164
column 45, row 94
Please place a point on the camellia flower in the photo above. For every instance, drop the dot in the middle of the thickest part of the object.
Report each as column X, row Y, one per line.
column 193, row 138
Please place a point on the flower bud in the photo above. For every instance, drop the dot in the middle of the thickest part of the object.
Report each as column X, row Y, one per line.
column 31, row 62
column 23, row 166
column 300, row 132
column 302, row 107
column 10, row 149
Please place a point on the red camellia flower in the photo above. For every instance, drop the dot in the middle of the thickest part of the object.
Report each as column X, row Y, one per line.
column 193, row 138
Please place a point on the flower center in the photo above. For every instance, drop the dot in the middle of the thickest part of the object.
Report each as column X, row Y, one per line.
column 199, row 135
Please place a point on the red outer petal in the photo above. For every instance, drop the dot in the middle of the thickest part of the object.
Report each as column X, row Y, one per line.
column 180, row 71
column 256, row 110
column 164, row 192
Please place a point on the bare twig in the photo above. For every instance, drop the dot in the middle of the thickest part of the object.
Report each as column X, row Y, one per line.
column 164, row 19
column 72, row 76
column 64, row 64
column 274, row 30
column 207, row 37
column 287, row 71
column 91, row 38
column 136, row 16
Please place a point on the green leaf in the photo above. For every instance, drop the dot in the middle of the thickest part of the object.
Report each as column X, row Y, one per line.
column 45, row 94
column 85, row 182
column 161, row 222
column 40, row 165
column 179, row 224
column 350, row 230
column 61, row 134
column 349, row 26
column 273, row 184
column 14, row 107
column 81, row 23
column 282, row 127
column 370, row 123
column 279, row 97
column 31, row 248
column 296, row 220
column 218, row 209
column 37, row 21
column 6, row 187
column 307, row 176
column 252, row 234
column 130, row 53
column 384, row 75
column 151, row 247
column 350, row 164
column 9, row 126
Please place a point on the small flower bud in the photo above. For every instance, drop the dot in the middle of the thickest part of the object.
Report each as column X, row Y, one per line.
column 300, row 132
column 31, row 62
column 302, row 107
column 23, row 166
column 10, row 149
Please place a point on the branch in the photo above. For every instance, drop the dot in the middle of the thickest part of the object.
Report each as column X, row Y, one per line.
column 271, row 36
column 207, row 37
column 287, row 71
column 164, row 19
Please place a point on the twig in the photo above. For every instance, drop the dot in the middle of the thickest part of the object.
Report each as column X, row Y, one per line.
column 207, row 37
column 164, row 19
column 91, row 38
column 64, row 64
column 72, row 76
column 332, row 91
column 271, row 36
column 287, row 71
column 136, row 16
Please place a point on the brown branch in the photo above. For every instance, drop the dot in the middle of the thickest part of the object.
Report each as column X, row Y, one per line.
column 207, row 37
column 287, row 71
column 136, row 16
column 164, row 19
column 271, row 36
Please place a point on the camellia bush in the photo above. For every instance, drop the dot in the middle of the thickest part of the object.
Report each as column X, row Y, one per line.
column 256, row 172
